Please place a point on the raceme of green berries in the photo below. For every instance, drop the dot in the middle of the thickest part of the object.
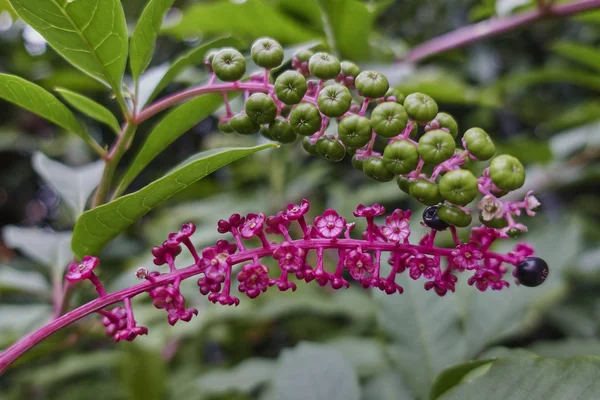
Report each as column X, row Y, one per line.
column 454, row 216
column 425, row 191
column 229, row 65
column 459, row 186
column 349, row 69
column 371, row 84
column 243, row 125
column 331, row 148
column 420, row 107
column 354, row 131
column 478, row 142
column 507, row 172
column 334, row 100
column 261, row 108
column 290, row 87
column 400, row 157
column 267, row 53
column 436, row 146
column 389, row 119
column 448, row 122
column 305, row 119
column 375, row 168
column 324, row 66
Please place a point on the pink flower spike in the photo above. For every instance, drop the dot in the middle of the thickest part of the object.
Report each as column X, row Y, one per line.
column 466, row 256
column 252, row 226
column 397, row 228
column 253, row 279
column 294, row 212
column 290, row 257
column 83, row 270
column 162, row 252
column 177, row 238
column 369, row 211
column 167, row 297
column 422, row 265
column 359, row 264
column 330, row 225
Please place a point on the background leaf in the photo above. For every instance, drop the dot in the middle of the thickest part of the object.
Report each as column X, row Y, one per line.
column 314, row 372
column 98, row 226
column 143, row 374
column 144, row 36
column 244, row 378
column 12, row 279
column 581, row 53
column 90, row 108
column 451, row 376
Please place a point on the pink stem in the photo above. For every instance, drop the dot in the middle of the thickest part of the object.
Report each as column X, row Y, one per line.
column 99, row 286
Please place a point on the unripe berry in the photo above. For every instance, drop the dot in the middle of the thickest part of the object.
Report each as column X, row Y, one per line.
column 261, row 108
column 305, row 119
column 290, row 87
column 432, row 220
column 355, row 131
column 459, row 186
column 358, row 162
column 497, row 223
column 243, row 125
column 507, row 172
column 334, row 100
column 371, row 84
column 389, row 119
column 448, row 122
column 267, row 53
column 400, row 157
column 374, row 168
column 330, row 148
column 454, row 216
column 350, row 69
column 403, row 184
column 309, row 147
column 420, row 107
column 395, row 95
column 425, row 191
column 281, row 131
column 303, row 55
column 225, row 127
column 324, row 66
column 436, row 146
column 478, row 142
column 229, row 65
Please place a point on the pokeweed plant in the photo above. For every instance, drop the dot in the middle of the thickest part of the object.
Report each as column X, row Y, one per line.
column 389, row 135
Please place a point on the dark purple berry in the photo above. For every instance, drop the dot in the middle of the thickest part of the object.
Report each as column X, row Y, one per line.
column 532, row 271
column 431, row 219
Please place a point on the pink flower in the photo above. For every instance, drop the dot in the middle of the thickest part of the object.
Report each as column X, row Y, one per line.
column 184, row 233
column 208, row 285
column 521, row 251
column 167, row 297
column 276, row 223
column 422, row 265
column 83, row 270
column 358, row 263
column 294, row 212
column 370, row 211
column 130, row 334
column 466, row 256
column 397, row 228
column 253, row 225
column 235, row 221
column 330, row 225
column 484, row 278
column 160, row 253
column 442, row 284
column 484, row 235
column 223, row 299
column 254, row 279
column 214, row 260
column 289, row 256
column 531, row 203
column 181, row 314
column 115, row 321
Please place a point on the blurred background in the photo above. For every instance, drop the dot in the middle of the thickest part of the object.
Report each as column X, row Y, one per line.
column 535, row 90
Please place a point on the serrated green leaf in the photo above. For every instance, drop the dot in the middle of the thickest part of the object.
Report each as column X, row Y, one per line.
column 96, row 227
column 90, row 108
column 73, row 184
column 173, row 125
column 192, row 57
column 37, row 100
column 240, row 19
column 534, row 378
column 581, row 53
column 452, row 376
column 314, row 372
column 144, row 36
column 90, row 34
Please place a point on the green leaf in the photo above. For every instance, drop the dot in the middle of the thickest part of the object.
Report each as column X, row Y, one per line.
column 533, row 378
column 143, row 374
column 190, row 58
column 566, row 348
column 521, row 80
column 90, row 34
column 452, row 376
column 37, row 100
column 96, row 227
column 387, row 386
column 144, row 36
column 73, row 184
column 90, row 108
column 173, row 125
column 19, row 319
column 240, row 19
column 15, row 280
column 366, row 355
column 244, row 378
column 50, row 249
column 314, row 372
column 581, row 53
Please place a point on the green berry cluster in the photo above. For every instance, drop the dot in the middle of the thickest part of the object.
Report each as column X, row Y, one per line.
column 420, row 149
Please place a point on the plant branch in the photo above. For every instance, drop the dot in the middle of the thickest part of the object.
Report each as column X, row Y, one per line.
column 494, row 27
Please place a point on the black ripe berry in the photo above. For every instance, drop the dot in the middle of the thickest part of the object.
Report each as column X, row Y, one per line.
column 532, row 271
column 431, row 219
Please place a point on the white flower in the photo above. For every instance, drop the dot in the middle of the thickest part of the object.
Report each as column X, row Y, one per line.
column 490, row 208
column 531, row 203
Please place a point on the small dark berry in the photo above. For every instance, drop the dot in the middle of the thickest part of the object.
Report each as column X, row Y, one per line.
column 532, row 271
column 431, row 219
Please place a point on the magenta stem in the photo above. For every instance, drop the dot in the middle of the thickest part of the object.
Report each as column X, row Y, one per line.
column 99, row 286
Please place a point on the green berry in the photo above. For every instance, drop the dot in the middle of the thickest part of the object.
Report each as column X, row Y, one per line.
column 350, row 69
column 436, row 146
column 403, row 183
column 243, row 125
column 305, row 119
column 303, row 55
column 261, row 108
column 425, row 191
column 229, row 65
column 355, row 131
column 459, row 186
column 331, row 148
column 225, row 127
column 479, row 143
column 324, row 66
column 497, row 223
column 267, row 53
column 290, row 87
column 400, row 157
column 358, row 162
column 281, row 131
column 389, row 119
column 210, row 56
column 371, row 84
column 309, row 147
column 334, row 100
column 420, row 107
column 454, row 216
column 394, row 95
column 266, row 132
column 507, row 172
column 374, row 168
column 448, row 122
